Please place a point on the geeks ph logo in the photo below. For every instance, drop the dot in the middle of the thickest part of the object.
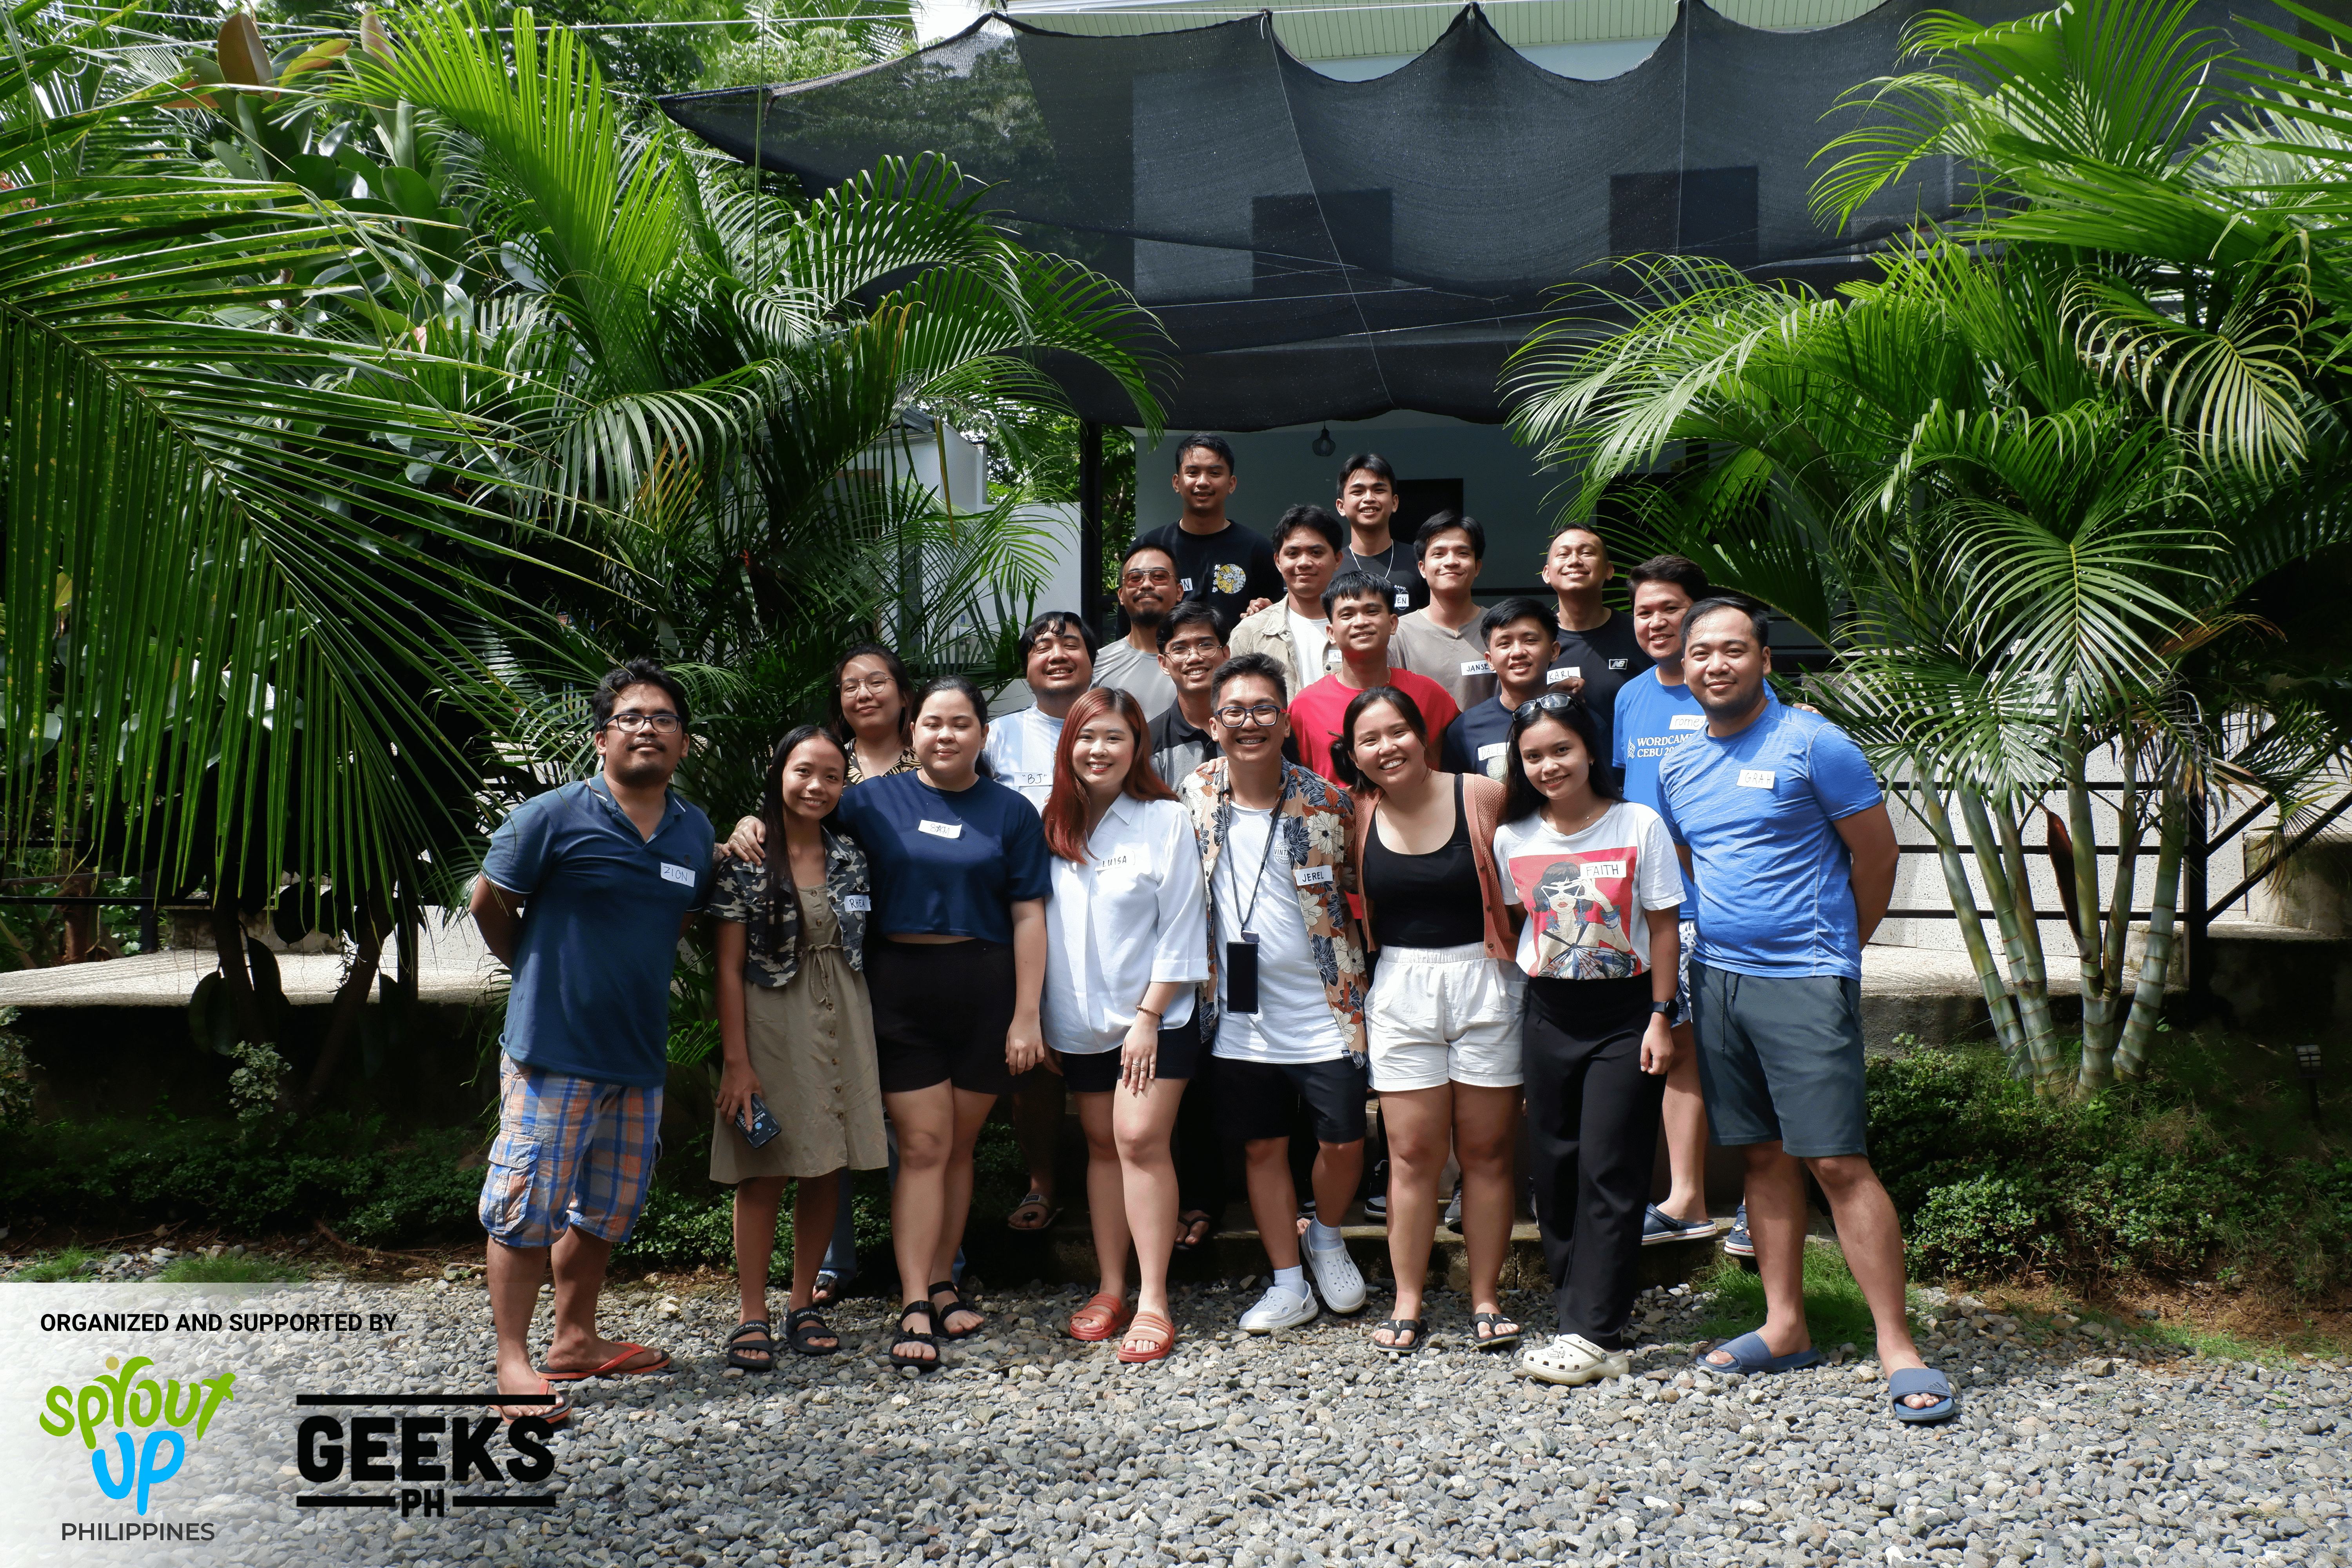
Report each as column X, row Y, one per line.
column 170, row 1414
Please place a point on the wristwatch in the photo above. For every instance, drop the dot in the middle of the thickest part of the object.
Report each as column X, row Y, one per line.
column 1671, row 1009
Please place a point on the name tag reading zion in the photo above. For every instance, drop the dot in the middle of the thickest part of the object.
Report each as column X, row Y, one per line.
column 1312, row 876
column 675, row 873
column 940, row 829
column 1756, row 778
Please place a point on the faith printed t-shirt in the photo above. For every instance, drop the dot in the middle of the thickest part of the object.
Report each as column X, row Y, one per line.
column 1585, row 892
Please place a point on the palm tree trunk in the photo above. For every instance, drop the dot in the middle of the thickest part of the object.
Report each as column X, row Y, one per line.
column 2148, row 1001
column 229, row 943
column 2025, row 978
column 351, row 1000
column 2099, row 1000
column 2034, row 986
column 1927, row 802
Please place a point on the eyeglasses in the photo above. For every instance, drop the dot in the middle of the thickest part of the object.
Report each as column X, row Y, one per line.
column 1234, row 716
column 1197, row 648
column 629, row 723
column 1139, row 577
column 1550, row 703
column 871, row 683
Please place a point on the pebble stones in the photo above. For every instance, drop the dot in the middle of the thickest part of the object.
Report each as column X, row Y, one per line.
column 1304, row 1451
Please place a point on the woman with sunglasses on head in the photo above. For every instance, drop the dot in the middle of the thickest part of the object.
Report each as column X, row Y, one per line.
column 1443, row 1019
column 1127, row 943
column 961, row 875
column 796, row 1038
column 1600, row 890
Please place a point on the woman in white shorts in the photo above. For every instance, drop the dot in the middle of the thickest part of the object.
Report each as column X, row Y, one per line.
column 1443, row 1019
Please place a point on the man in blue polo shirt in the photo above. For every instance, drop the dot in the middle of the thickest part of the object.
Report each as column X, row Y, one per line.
column 1778, row 814
column 583, row 896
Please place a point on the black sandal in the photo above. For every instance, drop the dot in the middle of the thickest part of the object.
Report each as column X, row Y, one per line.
column 1189, row 1221
column 1398, row 1326
column 906, row 1336
column 956, row 1303
column 830, row 1286
column 804, row 1324
column 739, row 1350
column 1493, row 1339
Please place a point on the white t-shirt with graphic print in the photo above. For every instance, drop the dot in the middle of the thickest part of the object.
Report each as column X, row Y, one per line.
column 1585, row 892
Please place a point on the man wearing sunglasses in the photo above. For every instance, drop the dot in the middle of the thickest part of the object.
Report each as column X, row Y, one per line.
column 583, row 895
column 1146, row 592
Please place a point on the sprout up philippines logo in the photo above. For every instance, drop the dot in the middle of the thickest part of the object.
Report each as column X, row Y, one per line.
column 119, row 1402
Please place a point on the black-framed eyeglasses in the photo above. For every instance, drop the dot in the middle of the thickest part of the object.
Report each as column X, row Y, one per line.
column 1234, row 716
column 1550, row 703
column 630, row 722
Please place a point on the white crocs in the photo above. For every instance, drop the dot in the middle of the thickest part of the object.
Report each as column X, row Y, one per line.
column 1336, row 1275
column 1280, row 1308
column 1571, row 1359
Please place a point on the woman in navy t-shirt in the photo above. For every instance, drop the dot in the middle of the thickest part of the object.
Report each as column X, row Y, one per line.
column 955, row 960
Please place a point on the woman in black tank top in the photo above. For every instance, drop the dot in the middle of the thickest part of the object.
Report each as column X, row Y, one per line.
column 1441, row 1019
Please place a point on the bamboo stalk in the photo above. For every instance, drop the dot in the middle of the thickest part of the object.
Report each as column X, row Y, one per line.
column 2148, row 1002
column 2041, row 1054
column 1926, row 804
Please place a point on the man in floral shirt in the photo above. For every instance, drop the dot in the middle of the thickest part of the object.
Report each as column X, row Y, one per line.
column 1284, row 1000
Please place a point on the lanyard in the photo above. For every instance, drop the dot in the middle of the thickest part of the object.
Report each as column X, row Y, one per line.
column 1272, row 827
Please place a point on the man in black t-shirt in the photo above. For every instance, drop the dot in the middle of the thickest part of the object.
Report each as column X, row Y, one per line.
column 1368, row 503
column 1216, row 558
column 1598, row 650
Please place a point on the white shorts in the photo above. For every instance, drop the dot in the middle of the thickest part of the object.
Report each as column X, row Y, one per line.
column 1437, row 1014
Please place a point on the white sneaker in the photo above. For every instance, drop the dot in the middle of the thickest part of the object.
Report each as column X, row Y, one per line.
column 1279, row 1309
column 1571, row 1359
column 1336, row 1275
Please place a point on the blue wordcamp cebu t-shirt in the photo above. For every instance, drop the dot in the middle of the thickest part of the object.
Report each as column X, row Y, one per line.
column 1758, row 810
column 1651, row 718
column 947, row 863
column 602, row 906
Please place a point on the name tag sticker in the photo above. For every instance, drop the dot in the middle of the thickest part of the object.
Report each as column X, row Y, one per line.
column 1403, row 599
column 1312, row 876
column 1477, row 667
column 683, row 875
column 1033, row 781
column 1488, row 753
column 1756, row 778
column 857, row 903
column 1617, row 663
column 940, row 829
column 1687, row 721
column 1604, row 868
column 1188, row 583
column 1554, row 677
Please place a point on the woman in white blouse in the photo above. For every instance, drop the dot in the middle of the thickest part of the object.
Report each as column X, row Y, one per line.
column 1126, row 941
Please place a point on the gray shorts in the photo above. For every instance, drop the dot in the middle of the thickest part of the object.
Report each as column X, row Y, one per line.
column 1780, row 1058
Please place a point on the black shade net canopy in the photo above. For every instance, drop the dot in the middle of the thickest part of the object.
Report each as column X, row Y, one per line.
column 1328, row 249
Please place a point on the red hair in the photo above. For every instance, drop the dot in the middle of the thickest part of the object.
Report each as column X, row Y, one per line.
column 1065, row 808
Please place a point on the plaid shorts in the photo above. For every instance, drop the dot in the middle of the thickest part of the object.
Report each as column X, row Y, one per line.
column 570, row 1151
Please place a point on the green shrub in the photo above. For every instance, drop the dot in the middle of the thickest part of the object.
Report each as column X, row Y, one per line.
column 226, row 1272
column 1985, row 1227
column 63, row 1266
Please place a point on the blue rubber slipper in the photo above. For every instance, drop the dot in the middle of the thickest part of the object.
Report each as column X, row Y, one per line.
column 1751, row 1355
column 1922, row 1380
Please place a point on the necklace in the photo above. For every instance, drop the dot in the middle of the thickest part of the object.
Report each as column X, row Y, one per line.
column 1600, row 809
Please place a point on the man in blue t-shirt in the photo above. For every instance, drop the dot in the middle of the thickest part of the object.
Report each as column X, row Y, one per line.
column 1778, row 814
column 583, row 895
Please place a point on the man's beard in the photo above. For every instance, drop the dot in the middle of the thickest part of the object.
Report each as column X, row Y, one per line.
column 639, row 769
column 1148, row 619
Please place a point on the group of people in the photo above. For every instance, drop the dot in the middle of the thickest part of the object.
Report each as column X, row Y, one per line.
column 1318, row 829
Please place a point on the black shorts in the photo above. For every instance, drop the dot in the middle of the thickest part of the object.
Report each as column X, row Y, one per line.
column 1097, row 1072
column 1255, row 1100
column 940, row 1013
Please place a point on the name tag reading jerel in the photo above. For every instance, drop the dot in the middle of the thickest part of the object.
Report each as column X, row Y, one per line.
column 682, row 875
column 1756, row 778
column 940, row 829
column 1312, row 876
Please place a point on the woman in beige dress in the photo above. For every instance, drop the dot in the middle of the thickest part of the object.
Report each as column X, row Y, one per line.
column 797, row 1033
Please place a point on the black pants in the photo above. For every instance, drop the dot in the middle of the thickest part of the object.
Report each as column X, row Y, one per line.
column 1199, row 1151
column 1593, row 1131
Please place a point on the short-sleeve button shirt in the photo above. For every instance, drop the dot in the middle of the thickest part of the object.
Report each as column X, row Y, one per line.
column 602, row 906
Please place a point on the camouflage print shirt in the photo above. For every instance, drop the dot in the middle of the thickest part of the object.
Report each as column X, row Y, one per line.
column 771, row 954
column 1319, row 823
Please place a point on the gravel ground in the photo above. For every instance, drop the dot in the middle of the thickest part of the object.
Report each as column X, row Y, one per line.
column 1293, row 1452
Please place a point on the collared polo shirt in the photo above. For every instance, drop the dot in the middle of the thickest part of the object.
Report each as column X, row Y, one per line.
column 1130, row 913
column 602, row 905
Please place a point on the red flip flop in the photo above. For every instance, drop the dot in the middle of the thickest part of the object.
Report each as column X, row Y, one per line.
column 555, row 1415
column 612, row 1368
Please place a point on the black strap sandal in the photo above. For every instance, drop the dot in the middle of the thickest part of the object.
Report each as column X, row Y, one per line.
column 740, row 1350
column 830, row 1286
column 1396, row 1326
column 1496, row 1336
column 921, row 1312
column 805, row 1325
column 956, row 1303
column 1192, row 1220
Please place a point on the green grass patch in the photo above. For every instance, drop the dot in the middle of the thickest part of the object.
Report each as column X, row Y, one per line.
column 1834, row 1309
column 228, row 1271
column 65, row 1265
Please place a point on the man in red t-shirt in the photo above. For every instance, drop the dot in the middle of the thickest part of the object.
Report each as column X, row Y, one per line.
column 1361, row 621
